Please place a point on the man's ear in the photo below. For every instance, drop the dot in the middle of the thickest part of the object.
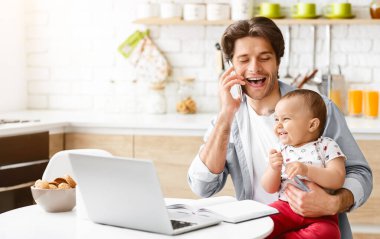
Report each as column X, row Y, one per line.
column 314, row 124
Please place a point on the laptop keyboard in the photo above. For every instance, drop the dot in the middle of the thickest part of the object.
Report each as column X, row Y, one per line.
column 179, row 224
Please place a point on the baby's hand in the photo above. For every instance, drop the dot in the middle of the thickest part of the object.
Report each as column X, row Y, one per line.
column 296, row 168
column 275, row 160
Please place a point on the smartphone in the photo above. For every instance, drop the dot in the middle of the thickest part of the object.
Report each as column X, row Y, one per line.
column 237, row 87
column 299, row 184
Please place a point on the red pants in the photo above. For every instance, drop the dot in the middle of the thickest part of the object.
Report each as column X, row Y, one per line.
column 288, row 224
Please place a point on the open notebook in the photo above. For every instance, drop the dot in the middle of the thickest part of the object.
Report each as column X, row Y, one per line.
column 226, row 208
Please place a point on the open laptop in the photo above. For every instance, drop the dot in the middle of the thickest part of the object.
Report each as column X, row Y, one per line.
column 126, row 193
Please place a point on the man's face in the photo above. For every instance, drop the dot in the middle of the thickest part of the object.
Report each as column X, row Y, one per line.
column 255, row 60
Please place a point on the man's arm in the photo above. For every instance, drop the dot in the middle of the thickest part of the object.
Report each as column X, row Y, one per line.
column 207, row 173
column 358, row 173
column 318, row 202
column 213, row 155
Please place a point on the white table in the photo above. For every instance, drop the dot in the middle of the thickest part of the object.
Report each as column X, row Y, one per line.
column 33, row 222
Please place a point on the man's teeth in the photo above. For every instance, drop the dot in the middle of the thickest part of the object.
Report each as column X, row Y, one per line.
column 256, row 80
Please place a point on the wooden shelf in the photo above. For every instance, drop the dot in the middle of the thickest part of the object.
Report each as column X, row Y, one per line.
column 286, row 21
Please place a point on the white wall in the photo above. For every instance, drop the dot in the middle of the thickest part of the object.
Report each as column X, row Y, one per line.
column 12, row 56
column 73, row 64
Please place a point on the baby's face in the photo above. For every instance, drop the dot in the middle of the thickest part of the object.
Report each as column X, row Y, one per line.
column 292, row 121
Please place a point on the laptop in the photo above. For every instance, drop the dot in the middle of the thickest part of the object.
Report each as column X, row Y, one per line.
column 126, row 193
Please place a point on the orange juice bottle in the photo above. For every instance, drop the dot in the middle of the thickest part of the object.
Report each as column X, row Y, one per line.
column 371, row 103
column 355, row 102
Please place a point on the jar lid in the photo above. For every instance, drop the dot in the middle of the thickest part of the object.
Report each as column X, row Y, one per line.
column 186, row 79
column 157, row 86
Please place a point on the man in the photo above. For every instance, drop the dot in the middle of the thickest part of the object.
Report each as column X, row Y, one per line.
column 239, row 139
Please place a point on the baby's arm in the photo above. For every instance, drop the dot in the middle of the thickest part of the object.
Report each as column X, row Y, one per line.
column 271, row 179
column 331, row 177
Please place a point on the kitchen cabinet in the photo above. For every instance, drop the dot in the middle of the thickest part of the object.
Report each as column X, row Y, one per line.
column 56, row 143
column 318, row 21
column 369, row 213
column 172, row 156
column 23, row 160
column 120, row 145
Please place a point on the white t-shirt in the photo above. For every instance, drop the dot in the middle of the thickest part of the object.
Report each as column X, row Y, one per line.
column 262, row 140
column 317, row 153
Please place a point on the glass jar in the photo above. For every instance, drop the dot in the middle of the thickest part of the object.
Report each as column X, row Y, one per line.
column 375, row 9
column 186, row 103
column 156, row 103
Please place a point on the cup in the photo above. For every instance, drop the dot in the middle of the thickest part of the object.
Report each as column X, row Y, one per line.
column 271, row 10
column 304, row 9
column 355, row 102
column 371, row 103
column 338, row 9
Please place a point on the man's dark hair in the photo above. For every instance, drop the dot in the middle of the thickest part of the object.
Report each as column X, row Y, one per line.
column 255, row 27
column 314, row 102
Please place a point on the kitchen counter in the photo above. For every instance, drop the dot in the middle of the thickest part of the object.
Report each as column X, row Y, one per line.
column 142, row 124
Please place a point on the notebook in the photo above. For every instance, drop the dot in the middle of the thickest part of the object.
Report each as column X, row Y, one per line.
column 126, row 192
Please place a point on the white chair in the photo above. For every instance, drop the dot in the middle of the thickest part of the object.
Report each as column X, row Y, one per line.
column 59, row 165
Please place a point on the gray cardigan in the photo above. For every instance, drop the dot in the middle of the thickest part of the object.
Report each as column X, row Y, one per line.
column 358, row 173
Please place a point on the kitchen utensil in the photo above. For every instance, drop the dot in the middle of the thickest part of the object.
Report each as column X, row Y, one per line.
column 307, row 78
column 287, row 51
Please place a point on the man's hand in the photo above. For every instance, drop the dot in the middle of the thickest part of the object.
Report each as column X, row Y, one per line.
column 315, row 203
column 296, row 168
column 226, row 81
column 275, row 160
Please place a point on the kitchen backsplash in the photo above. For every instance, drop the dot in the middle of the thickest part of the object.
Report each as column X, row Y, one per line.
column 72, row 61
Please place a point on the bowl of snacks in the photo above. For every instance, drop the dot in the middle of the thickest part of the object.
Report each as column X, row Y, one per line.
column 55, row 196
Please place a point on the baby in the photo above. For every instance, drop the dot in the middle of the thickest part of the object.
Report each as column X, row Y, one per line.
column 304, row 153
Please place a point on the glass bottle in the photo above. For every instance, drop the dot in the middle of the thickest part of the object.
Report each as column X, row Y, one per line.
column 156, row 103
column 374, row 9
column 186, row 103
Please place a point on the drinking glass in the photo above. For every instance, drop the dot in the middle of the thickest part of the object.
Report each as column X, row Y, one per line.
column 371, row 103
column 355, row 101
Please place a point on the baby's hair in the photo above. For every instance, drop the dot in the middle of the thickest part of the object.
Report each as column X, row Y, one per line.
column 314, row 102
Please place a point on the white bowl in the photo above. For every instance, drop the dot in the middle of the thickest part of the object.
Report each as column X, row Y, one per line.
column 54, row 200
